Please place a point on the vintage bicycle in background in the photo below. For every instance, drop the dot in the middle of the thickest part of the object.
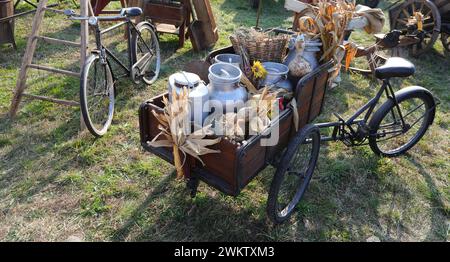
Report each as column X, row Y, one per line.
column 97, row 91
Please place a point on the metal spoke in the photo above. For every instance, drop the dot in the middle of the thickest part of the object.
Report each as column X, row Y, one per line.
column 406, row 13
column 412, row 111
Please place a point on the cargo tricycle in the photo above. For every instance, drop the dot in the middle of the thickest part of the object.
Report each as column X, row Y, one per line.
column 390, row 130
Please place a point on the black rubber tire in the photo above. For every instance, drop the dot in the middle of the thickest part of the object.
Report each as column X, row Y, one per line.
column 85, row 105
column 309, row 131
column 371, row 3
column 141, row 27
column 386, row 108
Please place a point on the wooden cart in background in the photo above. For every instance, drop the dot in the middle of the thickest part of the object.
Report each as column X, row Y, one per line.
column 436, row 22
column 7, row 25
column 170, row 17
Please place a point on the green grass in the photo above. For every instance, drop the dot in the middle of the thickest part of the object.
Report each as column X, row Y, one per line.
column 56, row 182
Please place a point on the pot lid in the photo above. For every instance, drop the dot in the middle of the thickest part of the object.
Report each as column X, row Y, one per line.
column 275, row 68
column 186, row 79
column 225, row 72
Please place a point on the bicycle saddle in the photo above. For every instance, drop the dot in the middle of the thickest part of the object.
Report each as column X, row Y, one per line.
column 389, row 40
column 395, row 67
column 131, row 11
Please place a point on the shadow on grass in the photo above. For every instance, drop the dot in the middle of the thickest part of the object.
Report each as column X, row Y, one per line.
column 199, row 219
column 339, row 204
column 437, row 203
column 25, row 152
column 122, row 233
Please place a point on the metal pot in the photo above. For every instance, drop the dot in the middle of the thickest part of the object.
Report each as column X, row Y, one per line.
column 275, row 73
column 233, row 59
column 224, row 76
column 225, row 90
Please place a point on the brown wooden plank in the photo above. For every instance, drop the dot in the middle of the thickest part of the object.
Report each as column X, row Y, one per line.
column 6, row 23
column 250, row 163
column 304, row 92
column 53, row 100
column 285, row 127
column 208, row 23
column 223, row 164
column 54, row 70
column 160, row 13
column 167, row 28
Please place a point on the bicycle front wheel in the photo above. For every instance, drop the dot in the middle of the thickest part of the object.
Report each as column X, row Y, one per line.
column 97, row 95
column 146, row 52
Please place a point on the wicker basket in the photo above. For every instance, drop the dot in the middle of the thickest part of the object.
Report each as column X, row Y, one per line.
column 260, row 46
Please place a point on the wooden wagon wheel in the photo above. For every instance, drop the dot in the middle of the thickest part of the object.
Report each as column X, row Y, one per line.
column 405, row 21
column 445, row 38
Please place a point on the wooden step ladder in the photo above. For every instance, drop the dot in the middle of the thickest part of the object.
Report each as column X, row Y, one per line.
column 21, row 85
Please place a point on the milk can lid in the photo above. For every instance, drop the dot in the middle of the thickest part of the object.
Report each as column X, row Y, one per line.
column 186, row 79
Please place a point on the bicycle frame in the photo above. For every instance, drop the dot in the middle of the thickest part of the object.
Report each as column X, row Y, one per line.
column 106, row 53
column 339, row 133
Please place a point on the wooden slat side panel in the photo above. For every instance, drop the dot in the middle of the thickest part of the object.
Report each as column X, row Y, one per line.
column 286, row 127
column 319, row 93
column 160, row 13
column 223, row 165
column 303, row 96
column 253, row 159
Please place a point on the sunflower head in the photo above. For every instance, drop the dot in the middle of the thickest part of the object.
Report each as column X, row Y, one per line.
column 258, row 70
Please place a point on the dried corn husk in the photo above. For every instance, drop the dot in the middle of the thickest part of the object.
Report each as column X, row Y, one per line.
column 175, row 127
column 231, row 126
column 308, row 26
column 419, row 17
column 263, row 104
column 351, row 50
column 332, row 20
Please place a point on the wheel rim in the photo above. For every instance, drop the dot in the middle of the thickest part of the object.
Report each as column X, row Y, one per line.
column 151, row 45
column 99, row 97
column 431, row 24
column 391, row 139
column 297, row 175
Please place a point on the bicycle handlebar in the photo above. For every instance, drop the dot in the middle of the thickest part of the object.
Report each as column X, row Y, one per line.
column 73, row 16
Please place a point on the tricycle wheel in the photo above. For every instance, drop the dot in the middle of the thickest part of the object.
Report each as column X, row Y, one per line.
column 293, row 173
